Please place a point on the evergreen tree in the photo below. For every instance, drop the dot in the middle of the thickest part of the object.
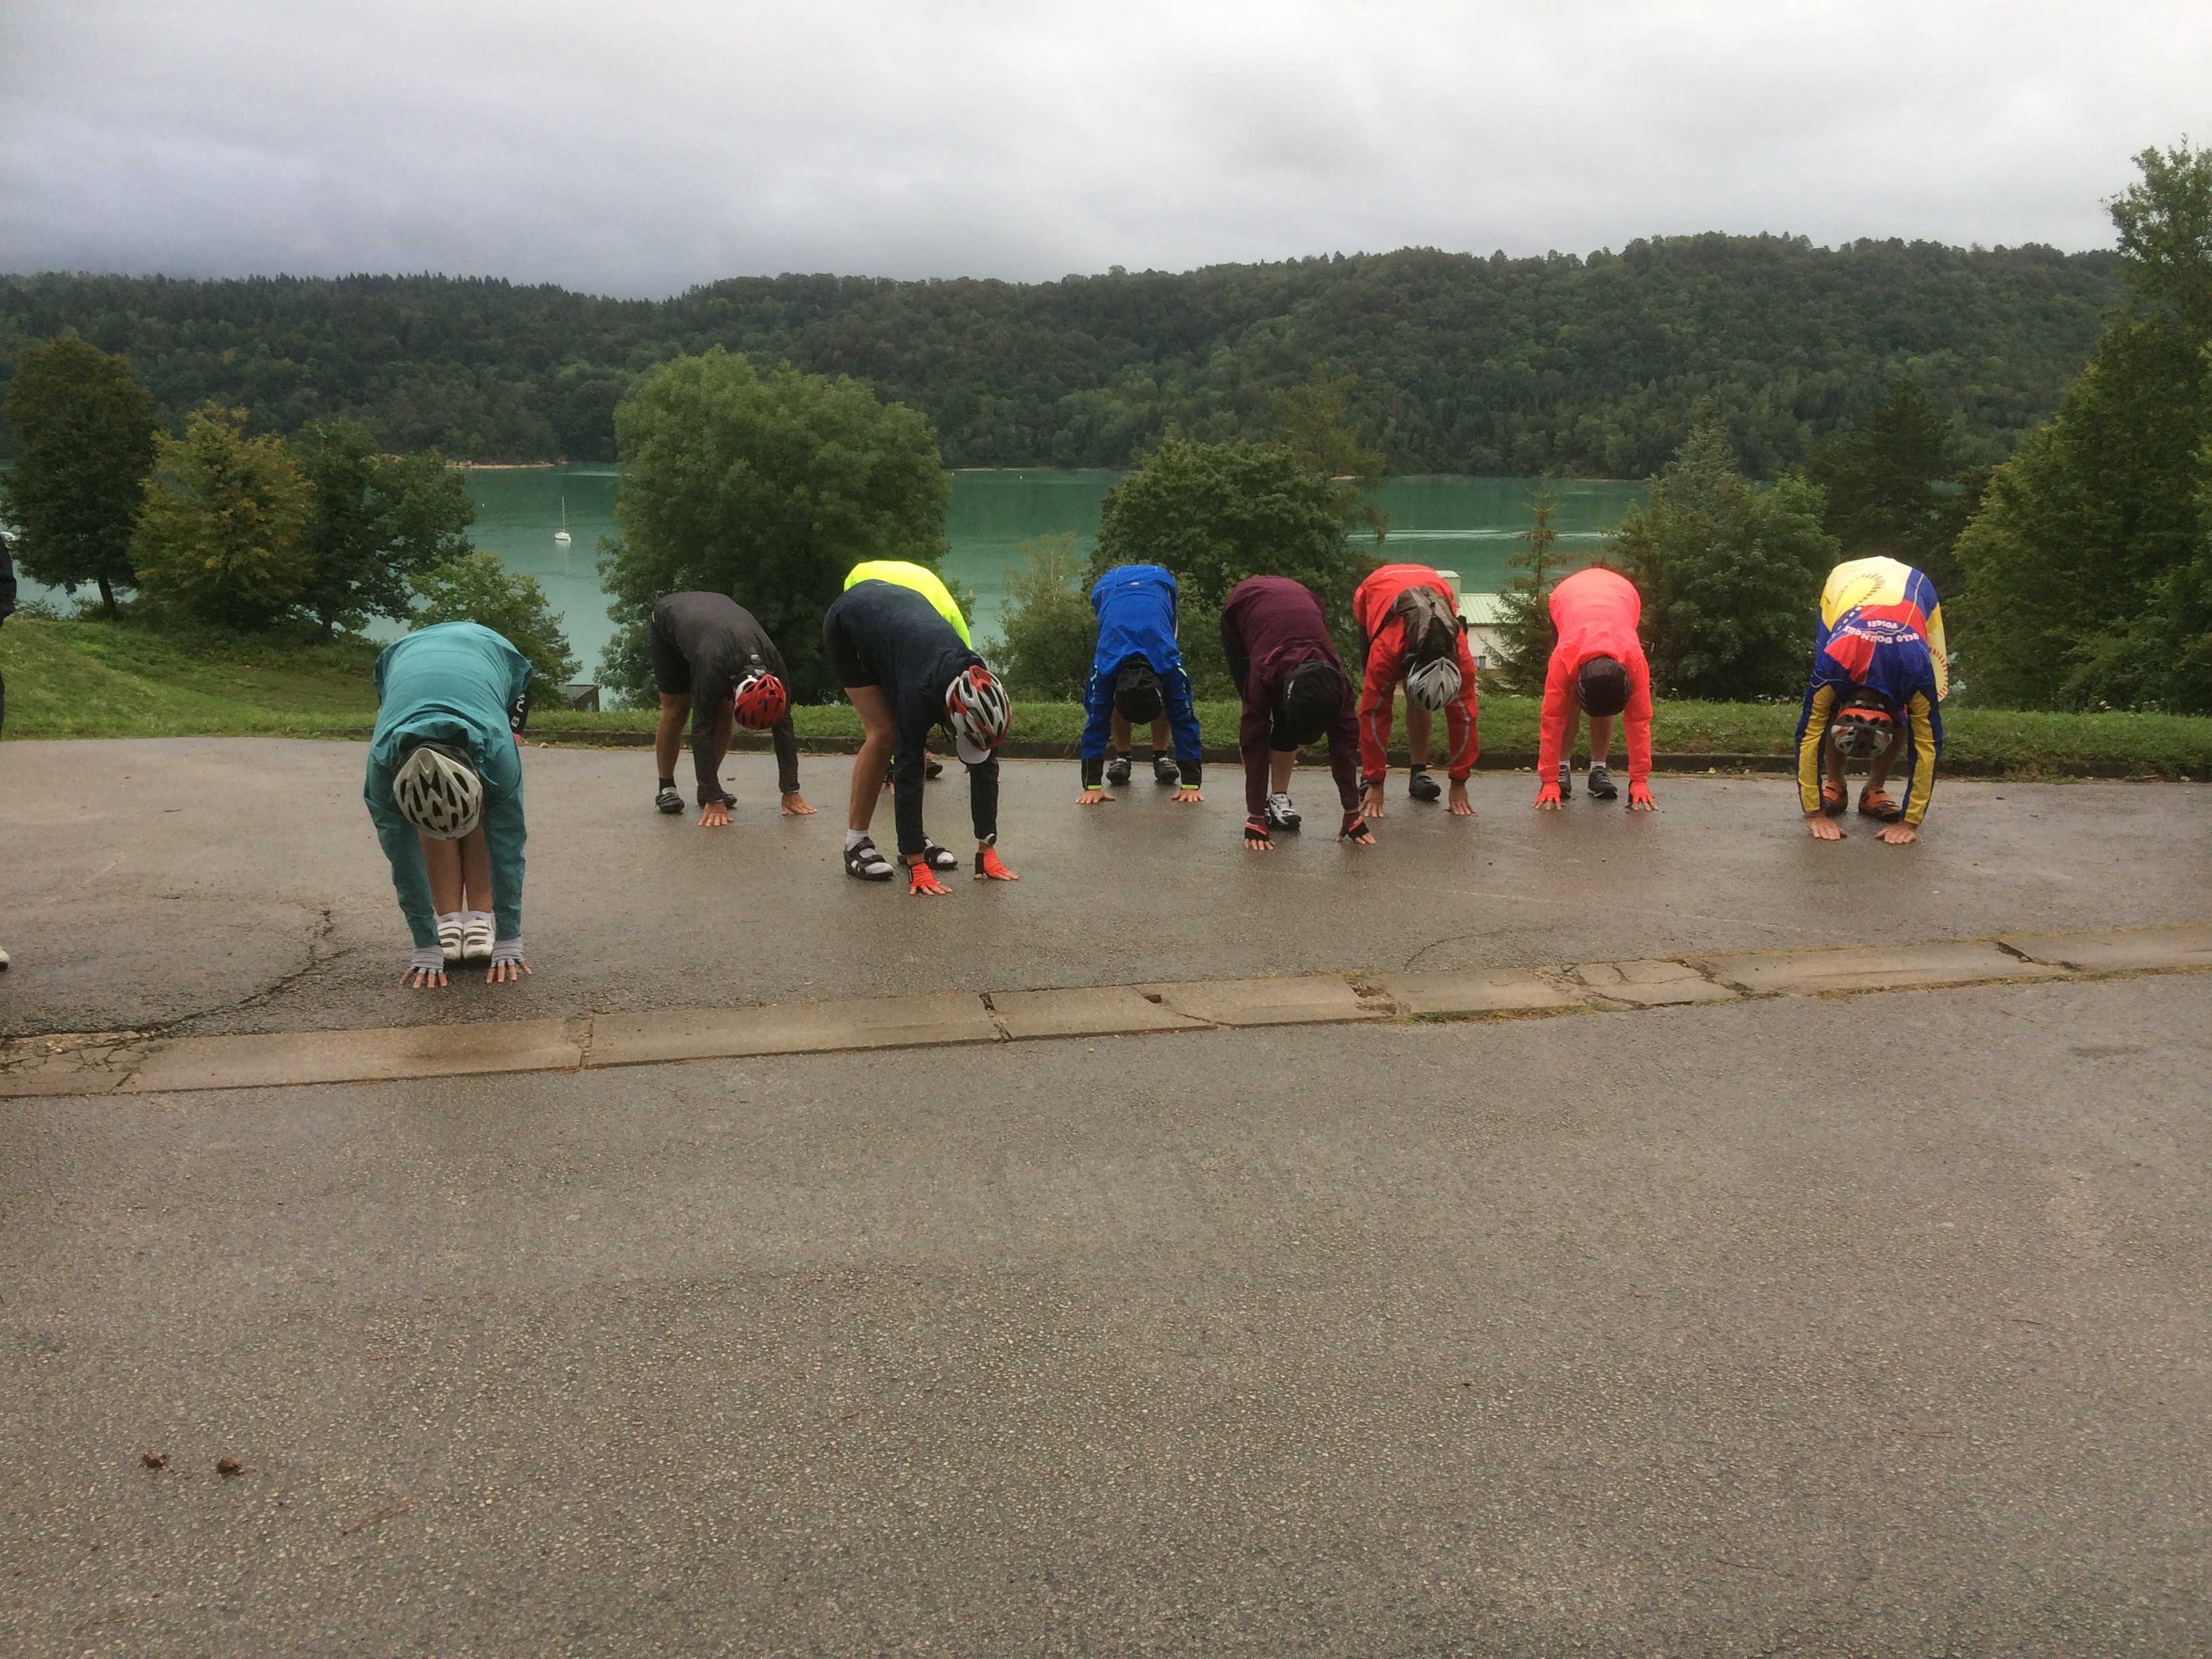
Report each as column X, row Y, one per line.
column 1881, row 474
column 1050, row 630
column 76, row 490
column 2082, row 539
column 1730, row 575
column 1525, row 634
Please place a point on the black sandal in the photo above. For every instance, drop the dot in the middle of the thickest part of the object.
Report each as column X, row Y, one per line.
column 864, row 861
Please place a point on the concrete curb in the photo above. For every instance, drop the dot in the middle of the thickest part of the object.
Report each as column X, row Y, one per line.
column 137, row 1063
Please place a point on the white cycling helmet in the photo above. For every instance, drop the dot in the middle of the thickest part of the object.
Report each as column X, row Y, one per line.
column 1434, row 684
column 438, row 792
column 978, row 711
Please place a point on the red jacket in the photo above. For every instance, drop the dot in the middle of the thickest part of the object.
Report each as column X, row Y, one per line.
column 1382, row 638
column 1594, row 612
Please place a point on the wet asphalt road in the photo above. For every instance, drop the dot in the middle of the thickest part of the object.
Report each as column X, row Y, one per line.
column 228, row 885
column 1866, row 1325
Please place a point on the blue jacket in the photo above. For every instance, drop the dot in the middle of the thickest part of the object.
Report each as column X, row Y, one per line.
column 1136, row 608
column 462, row 684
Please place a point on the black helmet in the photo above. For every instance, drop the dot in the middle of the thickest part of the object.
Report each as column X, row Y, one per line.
column 1311, row 698
column 1602, row 686
column 1137, row 692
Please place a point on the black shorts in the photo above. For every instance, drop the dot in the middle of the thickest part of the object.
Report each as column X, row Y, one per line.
column 846, row 660
column 672, row 669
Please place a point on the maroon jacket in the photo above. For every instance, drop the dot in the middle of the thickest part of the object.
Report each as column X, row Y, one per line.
column 1269, row 625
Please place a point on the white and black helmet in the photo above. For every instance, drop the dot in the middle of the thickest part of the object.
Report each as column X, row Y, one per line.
column 1434, row 684
column 977, row 711
column 438, row 792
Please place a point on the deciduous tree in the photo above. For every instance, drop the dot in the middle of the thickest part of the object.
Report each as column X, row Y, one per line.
column 219, row 535
column 768, row 489
column 373, row 521
column 75, row 492
column 477, row 587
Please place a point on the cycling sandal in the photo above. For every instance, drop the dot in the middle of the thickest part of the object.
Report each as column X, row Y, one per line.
column 939, row 858
column 1833, row 798
column 864, row 862
column 1878, row 804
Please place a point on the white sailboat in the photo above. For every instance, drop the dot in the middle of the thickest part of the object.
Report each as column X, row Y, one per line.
column 561, row 536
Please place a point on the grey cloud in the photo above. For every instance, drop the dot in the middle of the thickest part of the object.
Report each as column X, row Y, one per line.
column 643, row 148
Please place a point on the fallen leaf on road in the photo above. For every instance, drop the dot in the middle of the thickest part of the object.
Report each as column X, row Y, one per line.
column 154, row 1459
column 227, row 1467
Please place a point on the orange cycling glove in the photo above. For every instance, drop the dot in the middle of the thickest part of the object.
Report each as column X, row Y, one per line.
column 989, row 868
column 920, row 880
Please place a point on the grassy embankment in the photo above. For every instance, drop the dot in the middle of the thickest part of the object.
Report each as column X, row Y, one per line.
column 87, row 679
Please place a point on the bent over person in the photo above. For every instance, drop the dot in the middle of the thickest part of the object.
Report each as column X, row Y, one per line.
column 444, row 791
column 1137, row 679
column 1880, row 673
column 1410, row 631
column 1294, row 692
column 711, row 658
column 906, row 669
column 1597, row 668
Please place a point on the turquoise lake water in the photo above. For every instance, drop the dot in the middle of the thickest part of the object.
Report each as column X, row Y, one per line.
column 1466, row 524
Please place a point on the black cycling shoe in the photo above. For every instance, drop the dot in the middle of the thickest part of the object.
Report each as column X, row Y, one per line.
column 932, row 768
column 1601, row 785
column 1566, row 780
column 863, row 860
column 939, row 858
column 1422, row 786
column 668, row 801
column 1117, row 770
column 1166, row 772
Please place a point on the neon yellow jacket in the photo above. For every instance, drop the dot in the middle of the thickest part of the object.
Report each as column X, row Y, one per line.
column 920, row 578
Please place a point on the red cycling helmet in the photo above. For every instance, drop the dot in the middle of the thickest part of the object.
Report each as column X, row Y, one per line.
column 760, row 700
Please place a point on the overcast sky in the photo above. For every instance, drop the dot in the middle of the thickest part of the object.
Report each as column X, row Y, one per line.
column 638, row 148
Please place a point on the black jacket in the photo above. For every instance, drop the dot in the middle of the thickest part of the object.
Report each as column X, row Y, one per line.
column 896, row 638
column 718, row 637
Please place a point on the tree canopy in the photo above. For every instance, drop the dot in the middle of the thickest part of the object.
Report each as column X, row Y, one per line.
column 220, row 534
column 373, row 521
column 767, row 487
column 2089, row 562
column 74, row 495
column 1453, row 362
column 477, row 587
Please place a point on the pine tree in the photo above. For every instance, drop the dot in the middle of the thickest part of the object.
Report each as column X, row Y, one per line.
column 1524, row 622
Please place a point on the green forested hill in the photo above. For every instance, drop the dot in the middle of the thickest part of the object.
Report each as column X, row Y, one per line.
column 1461, row 364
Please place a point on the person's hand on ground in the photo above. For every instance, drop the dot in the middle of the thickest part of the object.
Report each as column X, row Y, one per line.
column 1462, row 807
column 1370, row 803
column 1823, row 827
column 1256, row 838
column 1639, row 798
column 1188, row 795
column 1900, row 835
column 507, row 966
column 1356, row 831
column 989, row 868
column 794, row 805
column 715, row 815
column 1093, row 797
column 920, row 880
column 1547, row 798
column 426, row 969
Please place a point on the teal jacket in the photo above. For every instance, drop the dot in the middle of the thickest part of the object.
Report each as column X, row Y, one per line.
column 456, row 683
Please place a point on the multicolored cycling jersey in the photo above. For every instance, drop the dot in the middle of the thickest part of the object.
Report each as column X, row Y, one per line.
column 1882, row 590
column 924, row 581
column 1889, row 643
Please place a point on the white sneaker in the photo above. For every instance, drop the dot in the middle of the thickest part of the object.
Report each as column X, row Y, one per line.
column 4, row 958
column 475, row 936
column 449, row 936
column 1281, row 814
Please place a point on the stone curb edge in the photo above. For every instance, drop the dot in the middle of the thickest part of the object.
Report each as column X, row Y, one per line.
column 138, row 1062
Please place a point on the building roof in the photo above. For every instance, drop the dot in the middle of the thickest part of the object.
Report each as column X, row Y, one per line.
column 1481, row 610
